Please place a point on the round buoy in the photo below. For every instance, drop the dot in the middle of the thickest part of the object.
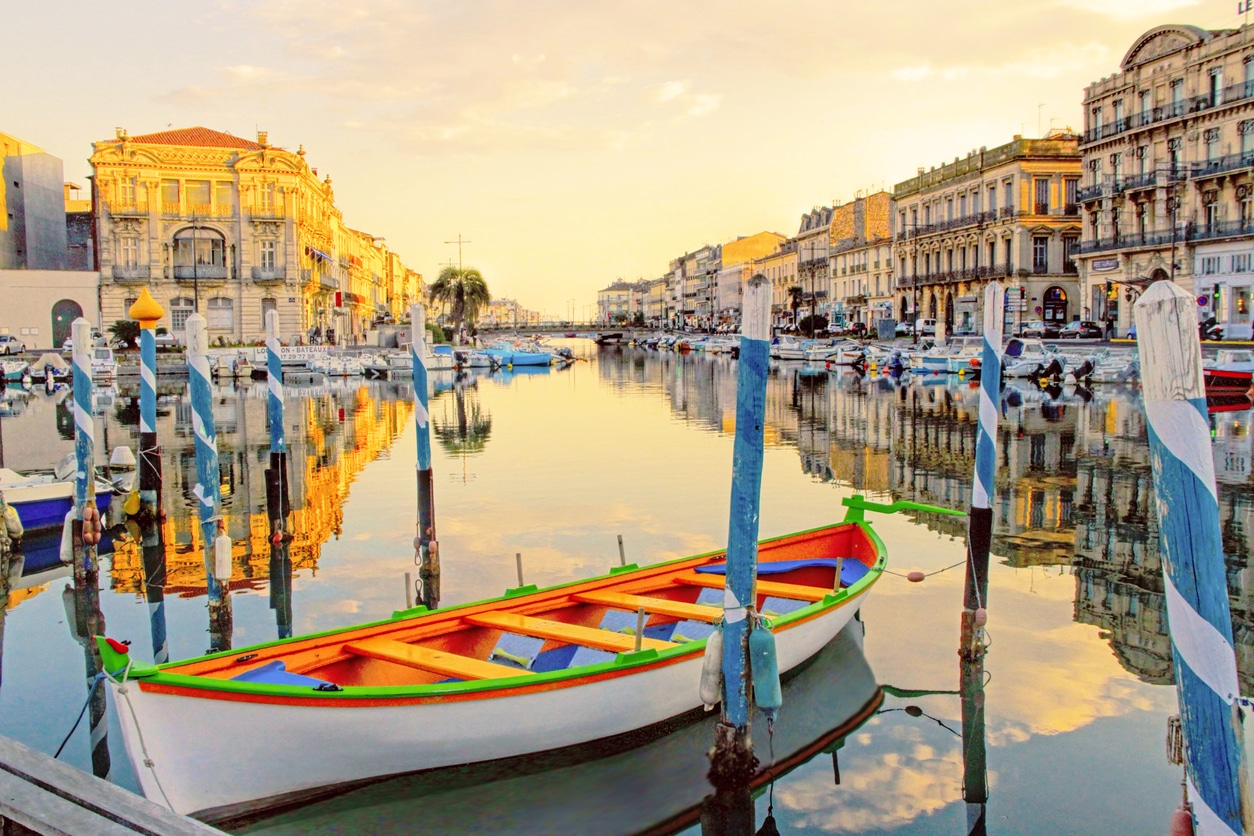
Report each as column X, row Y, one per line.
column 417, row 543
column 1181, row 822
column 277, row 538
column 916, row 577
column 981, row 617
column 914, row 711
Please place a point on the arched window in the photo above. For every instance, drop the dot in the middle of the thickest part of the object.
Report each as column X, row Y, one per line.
column 221, row 314
column 180, row 309
column 199, row 253
column 1054, row 304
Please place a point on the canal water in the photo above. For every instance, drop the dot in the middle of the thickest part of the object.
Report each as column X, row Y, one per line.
column 1077, row 685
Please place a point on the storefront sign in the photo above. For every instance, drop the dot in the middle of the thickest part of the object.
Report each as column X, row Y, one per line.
column 1104, row 265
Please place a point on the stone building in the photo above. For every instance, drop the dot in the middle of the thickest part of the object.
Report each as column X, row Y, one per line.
column 32, row 207
column 861, row 261
column 780, row 268
column 236, row 228
column 813, row 271
column 1007, row 213
column 1168, row 153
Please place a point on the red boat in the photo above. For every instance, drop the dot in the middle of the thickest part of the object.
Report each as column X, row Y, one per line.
column 1226, row 379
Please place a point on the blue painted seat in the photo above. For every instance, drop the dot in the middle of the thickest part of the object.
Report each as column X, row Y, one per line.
column 851, row 572
column 276, row 673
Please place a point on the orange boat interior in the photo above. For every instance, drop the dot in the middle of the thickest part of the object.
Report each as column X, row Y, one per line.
column 570, row 626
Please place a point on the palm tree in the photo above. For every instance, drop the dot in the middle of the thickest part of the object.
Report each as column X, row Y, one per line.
column 794, row 295
column 464, row 291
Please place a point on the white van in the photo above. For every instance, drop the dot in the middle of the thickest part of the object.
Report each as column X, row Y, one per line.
column 925, row 327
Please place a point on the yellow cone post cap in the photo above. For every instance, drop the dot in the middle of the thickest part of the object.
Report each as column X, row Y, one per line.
column 146, row 309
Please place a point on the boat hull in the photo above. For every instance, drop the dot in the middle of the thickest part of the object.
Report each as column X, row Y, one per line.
column 287, row 748
column 45, row 506
column 1226, row 379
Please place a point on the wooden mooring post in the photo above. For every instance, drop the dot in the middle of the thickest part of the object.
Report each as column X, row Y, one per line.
column 732, row 763
column 148, row 312
column 278, row 491
column 208, row 488
column 427, row 550
column 1190, row 540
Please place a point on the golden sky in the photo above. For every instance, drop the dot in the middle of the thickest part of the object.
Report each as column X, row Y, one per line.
column 575, row 143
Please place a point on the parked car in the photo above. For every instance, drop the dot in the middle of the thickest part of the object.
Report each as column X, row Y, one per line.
column 166, row 340
column 926, row 327
column 10, row 344
column 904, row 329
column 1082, row 329
column 1039, row 328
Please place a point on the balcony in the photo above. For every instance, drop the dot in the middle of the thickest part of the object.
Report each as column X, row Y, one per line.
column 127, row 208
column 1223, row 229
column 269, row 275
column 860, row 299
column 1147, row 180
column 1039, row 268
column 200, row 272
column 268, row 213
column 1223, row 165
column 1006, row 212
column 197, row 210
column 1093, row 192
column 1134, row 239
column 1107, row 131
column 126, row 274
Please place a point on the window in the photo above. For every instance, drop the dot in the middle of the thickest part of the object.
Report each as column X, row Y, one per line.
column 1173, row 154
column 1177, row 97
column 126, row 190
column 975, row 201
column 180, row 309
column 992, row 198
column 1144, row 99
column 1245, row 206
column 268, row 250
column 992, row 253
column 223, row 197
column 1142, row 159
column 949, row 208
column 1246, row 129
column 1114, row 223
column 170, row 192
column 1212, row 144
column 1241, row 262
column 128, row 252
column 1208, row 265
column 1215, row 89
column 1116, row 166
column 1095, row 171
column 1118, row 125
column 962, row 205
column 1249, row 74
column 1070, row 187
column 1211, row 207
column 1006, row 242
column 220, row 314
column 1040, row 187
column 198, row 197
column 927, row 214
column 1010, row 195
column 1040, row 254
column 265, row 196
column 209, row 249
column 1070, row 246
column 1141, row 219
column 1095, row 122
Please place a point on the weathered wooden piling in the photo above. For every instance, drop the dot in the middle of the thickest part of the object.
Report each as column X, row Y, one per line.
column 1194, row 578
column 208, row 488
column 428, row 553
column 8, row 562
column 148, row 312
column 732, row 761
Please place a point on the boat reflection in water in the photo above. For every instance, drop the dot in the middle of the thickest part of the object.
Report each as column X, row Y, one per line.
column 648, row 781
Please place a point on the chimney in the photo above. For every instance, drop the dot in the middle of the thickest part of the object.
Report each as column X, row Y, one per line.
column 263, row 139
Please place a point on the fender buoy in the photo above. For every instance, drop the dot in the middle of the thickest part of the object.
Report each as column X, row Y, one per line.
column 916, row 577
column 1181, row 822
column 981, row 617
column 712, row 669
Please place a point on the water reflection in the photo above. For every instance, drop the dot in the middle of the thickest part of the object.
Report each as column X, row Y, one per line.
column 638, row 443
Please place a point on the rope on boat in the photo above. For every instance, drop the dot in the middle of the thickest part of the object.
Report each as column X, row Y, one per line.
column 147, row 762
column 926, row 574
column 95, row 683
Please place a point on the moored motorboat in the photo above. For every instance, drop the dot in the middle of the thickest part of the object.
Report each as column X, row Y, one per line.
column 43, row 498
column 532, row 671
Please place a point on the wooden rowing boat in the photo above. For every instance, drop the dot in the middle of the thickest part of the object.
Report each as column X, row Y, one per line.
column 532, row 671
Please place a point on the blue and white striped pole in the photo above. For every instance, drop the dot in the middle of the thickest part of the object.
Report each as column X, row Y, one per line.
column 425, row 543
column 1194, row 580
column 208, row 488
column 732, row 759
column 274, row 383
column 982, row 489
column 84, row 450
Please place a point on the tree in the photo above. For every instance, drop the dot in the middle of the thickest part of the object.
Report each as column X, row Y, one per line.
column 794, row 300
column 463, row 291
column 125, row 333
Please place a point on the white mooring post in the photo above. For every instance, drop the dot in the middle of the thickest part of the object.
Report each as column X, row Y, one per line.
column 1194, row 579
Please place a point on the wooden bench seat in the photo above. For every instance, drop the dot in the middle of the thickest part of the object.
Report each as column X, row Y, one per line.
column 660, row 606
column 426, row 659
column 543, row 628
column 794, row 591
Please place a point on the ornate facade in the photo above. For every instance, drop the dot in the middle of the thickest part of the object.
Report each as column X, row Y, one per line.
column 1169, row 174
column 1007, row 213
column 861, row 260
column 236, row 228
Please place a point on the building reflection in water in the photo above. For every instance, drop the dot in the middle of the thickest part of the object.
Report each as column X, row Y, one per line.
column 333, row 432
column 1074, row 487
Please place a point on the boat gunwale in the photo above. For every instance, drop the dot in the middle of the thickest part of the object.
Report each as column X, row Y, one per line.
column 162, row 680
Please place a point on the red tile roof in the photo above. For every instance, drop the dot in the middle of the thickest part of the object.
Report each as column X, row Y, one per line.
column 200, row 137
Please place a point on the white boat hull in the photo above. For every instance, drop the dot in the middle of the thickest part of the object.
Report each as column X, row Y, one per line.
column 213, row 753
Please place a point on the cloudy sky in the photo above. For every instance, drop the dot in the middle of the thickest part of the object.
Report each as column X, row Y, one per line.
column 573, row 143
